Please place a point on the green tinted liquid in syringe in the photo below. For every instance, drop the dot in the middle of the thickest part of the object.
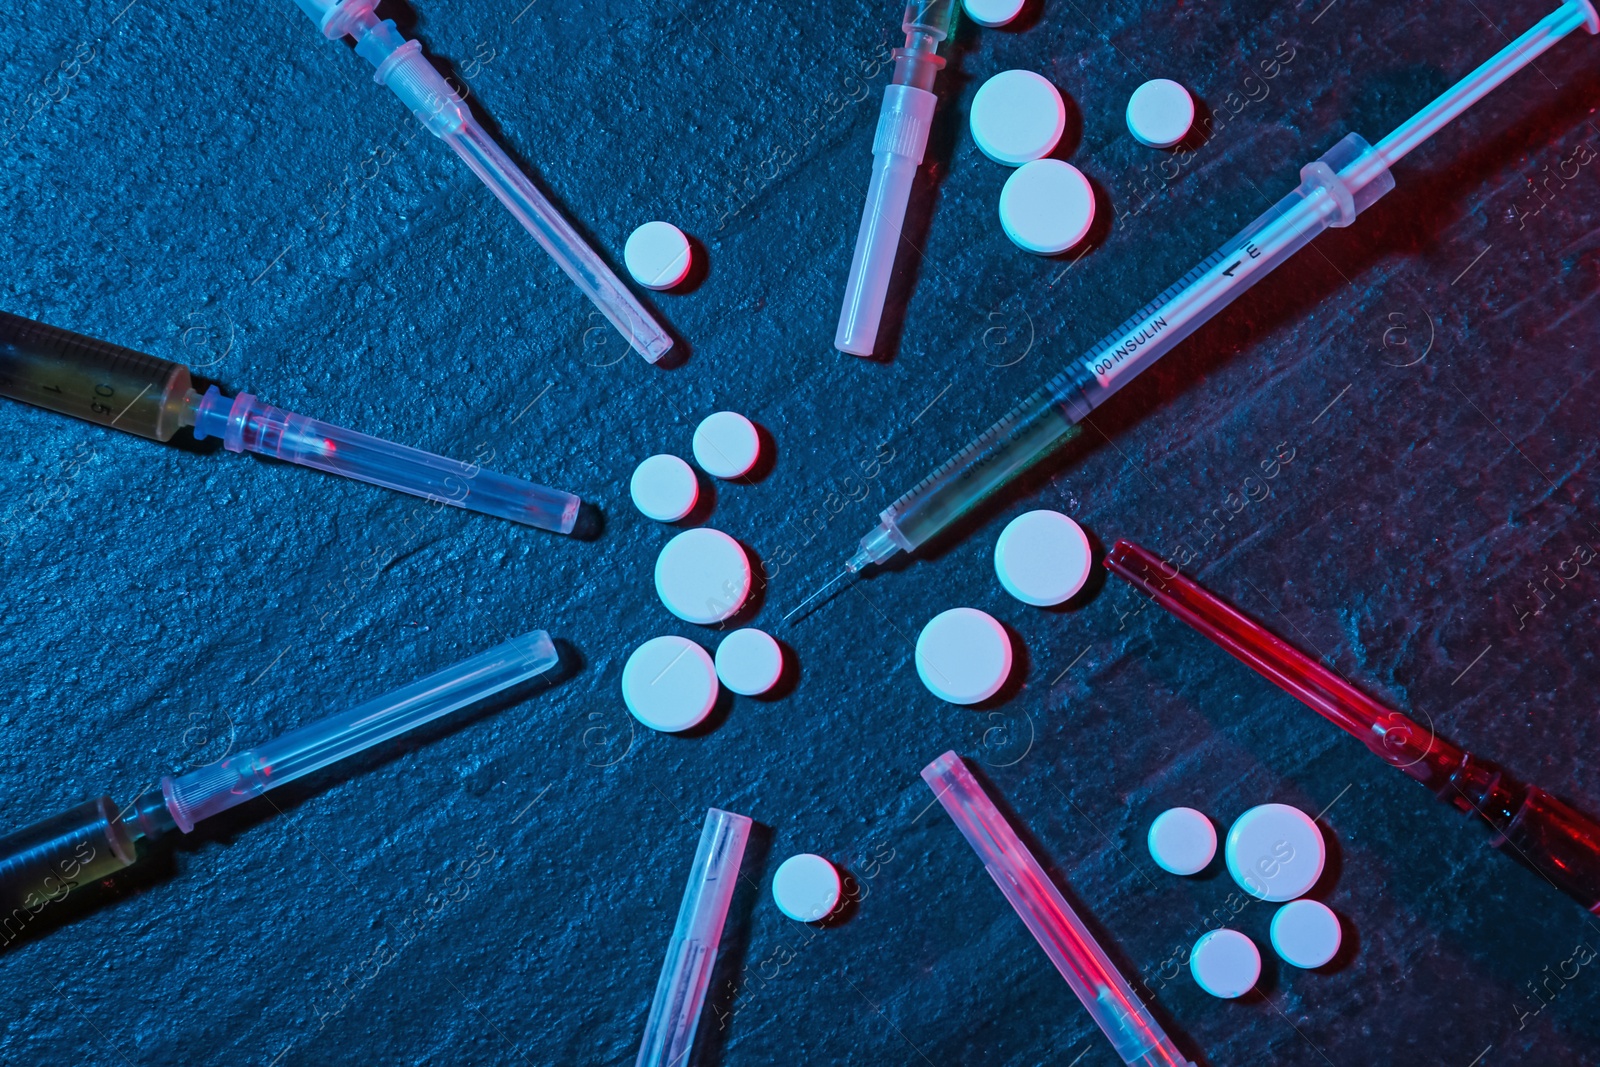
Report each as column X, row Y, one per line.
column 90, row 379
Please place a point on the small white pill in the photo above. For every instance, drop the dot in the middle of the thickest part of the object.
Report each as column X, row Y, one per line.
column 1160, row 113
column 1275, row 852
column 749, row 661
column 664, row 488
column 703, row 576
column 1046, row 207
column 1306, row 933
column 992, row 12
column 1182, row 841
column 1225, row 963
column 726, row 445
column 806, row 887
column 1042, row 558
column 1017, row 116
column 657, row 255
column 669, row 684
column 963, row 656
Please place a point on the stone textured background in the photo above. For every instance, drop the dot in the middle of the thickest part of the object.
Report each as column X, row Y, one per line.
column 214, row 183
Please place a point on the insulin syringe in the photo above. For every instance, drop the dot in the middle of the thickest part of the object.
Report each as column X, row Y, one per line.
column 402, row 67
column 1332, row 192
column 42, row 863
column 128, row 390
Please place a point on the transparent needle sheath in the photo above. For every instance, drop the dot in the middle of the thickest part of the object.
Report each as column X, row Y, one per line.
column 402, row 67
column 897, row 149
column 219, row 786
column 1110, row 1001
column 45, row 861
column 686, row 974
column 1332, row 192
column 128, row 390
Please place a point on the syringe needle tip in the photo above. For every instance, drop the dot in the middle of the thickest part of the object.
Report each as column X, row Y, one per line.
column 819, row 592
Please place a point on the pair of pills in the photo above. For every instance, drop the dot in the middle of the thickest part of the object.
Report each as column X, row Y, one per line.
column 964, row 655
column 726, row 445
column 1018, row 116
column 1227, row 964
column 1274, row 852
column 671, row 684
column 1017, row 119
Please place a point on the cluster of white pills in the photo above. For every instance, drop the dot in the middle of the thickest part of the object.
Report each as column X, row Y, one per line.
column 702, row 576
column 1047, row 206
column 1275, row 853
column 964, row 655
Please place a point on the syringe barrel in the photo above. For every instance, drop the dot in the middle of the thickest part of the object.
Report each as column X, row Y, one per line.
column 1027, row 433
column 1323, row 198
column 91, row 379
column 42, row 863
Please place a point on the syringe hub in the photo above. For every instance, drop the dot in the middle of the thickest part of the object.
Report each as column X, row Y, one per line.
column 881, row 543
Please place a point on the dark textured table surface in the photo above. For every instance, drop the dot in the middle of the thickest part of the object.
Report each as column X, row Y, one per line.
column 214, row 183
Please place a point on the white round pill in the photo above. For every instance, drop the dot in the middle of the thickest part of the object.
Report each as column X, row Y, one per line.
column 992, row 12
column 657, row 255
column 1042, row 558
column 749, row 661
column 1306, row 933
column 1017, row 116
column 963, row 656
column 806, row 887
column 1275, row 852
column 1160, row 113
column 703, row 576
column 669, row 684
column 1182, row 841
column 1046, row 207
column 1225, row 963
column 726, row 444
column 664, row 488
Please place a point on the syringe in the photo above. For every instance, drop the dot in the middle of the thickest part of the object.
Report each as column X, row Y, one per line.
column 1544, row 832
column 153, row 398
column 1133, row 1032
column 897, row 149
column 691, row 953
column 42, row 863
column 1332, row 192
column 404, row 69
